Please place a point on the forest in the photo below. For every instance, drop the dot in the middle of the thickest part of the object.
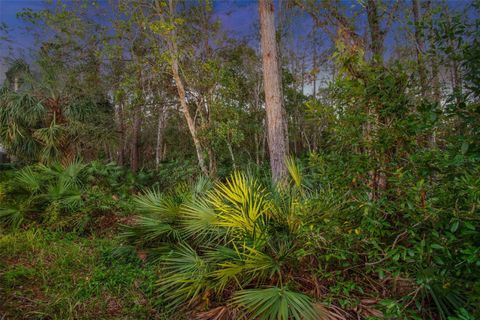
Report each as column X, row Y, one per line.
column 251, row 159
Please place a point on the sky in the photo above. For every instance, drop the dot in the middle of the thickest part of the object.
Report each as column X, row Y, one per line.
column 21, row 40
column 238, row 18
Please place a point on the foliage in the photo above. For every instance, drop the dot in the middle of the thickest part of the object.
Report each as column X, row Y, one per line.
column 241, row 234
column 41, row 120
column 378, row 218
column 65, row 197
column 243, row 242
column 63, row 276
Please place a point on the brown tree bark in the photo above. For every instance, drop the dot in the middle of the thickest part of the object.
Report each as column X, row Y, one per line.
column 378, row 177
column 273, row 96
column 121, row 132
column 376, row 33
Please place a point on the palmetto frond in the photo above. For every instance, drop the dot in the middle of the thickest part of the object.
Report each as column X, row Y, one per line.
column 199, row 220
column 239, row 233
column 185, row 277
column 52, row 139
column 24, row 108
column 79, row 110
column 147, row 230
column 13, row 216
column 294, row 171
column 50, row 136
column 276, row 304
column 153, row 202
column 201, row 186
column 250, row 264
column 72, row 175
column 69, row 198
column 241, row 204
column 29, row 180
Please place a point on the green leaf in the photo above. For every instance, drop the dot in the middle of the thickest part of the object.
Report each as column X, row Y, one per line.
column 454, row 226
column 276, row 304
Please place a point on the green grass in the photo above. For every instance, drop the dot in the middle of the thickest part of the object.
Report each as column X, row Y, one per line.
column 52, row 275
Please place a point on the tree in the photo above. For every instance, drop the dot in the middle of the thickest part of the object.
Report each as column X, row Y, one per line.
column 272, row 87
column 43, row 120
column 419, row 45
column 168, row 28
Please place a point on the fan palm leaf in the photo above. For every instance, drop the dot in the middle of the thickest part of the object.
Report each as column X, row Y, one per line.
column 147, row 230
column 199, row 220
column 185, row 277
column 13, row 216
column 153, row 202
column 241, row 204
column 29, row 180
column 250, row 264
column 276, row 304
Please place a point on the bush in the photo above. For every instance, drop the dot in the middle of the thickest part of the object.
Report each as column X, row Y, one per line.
column 60, row 196
column 257, row 250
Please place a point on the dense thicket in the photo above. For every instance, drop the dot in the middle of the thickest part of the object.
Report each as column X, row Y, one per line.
column 377, row 103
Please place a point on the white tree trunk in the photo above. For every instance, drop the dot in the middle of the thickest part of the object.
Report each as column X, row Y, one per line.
column 159, row 146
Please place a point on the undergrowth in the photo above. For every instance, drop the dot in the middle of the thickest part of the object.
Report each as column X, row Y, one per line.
column 57, row 275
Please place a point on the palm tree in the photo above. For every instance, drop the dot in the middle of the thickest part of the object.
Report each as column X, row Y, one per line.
column 14, row 74
column 39, row 115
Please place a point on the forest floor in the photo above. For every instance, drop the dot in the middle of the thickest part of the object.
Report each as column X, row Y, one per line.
column 61, row 275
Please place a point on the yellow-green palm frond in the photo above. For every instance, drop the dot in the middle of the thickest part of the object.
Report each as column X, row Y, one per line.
column 185, row 276
column 153, row 202
column 199, row 220
column 294, row 171
column 241, row 203
column 151, row 230
column 248, row 265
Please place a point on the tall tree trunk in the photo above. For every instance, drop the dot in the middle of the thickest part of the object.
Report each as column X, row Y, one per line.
column 378, row 177
column 314, row 73
column 121, row 133
column 419, row 45
column 232, row 156
column 159, row 146
column 186, row 112
column 273, row 97
column 172, row 45
column 135, row 154
column 16, row 83
column 376, row 33
column 282, row 17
